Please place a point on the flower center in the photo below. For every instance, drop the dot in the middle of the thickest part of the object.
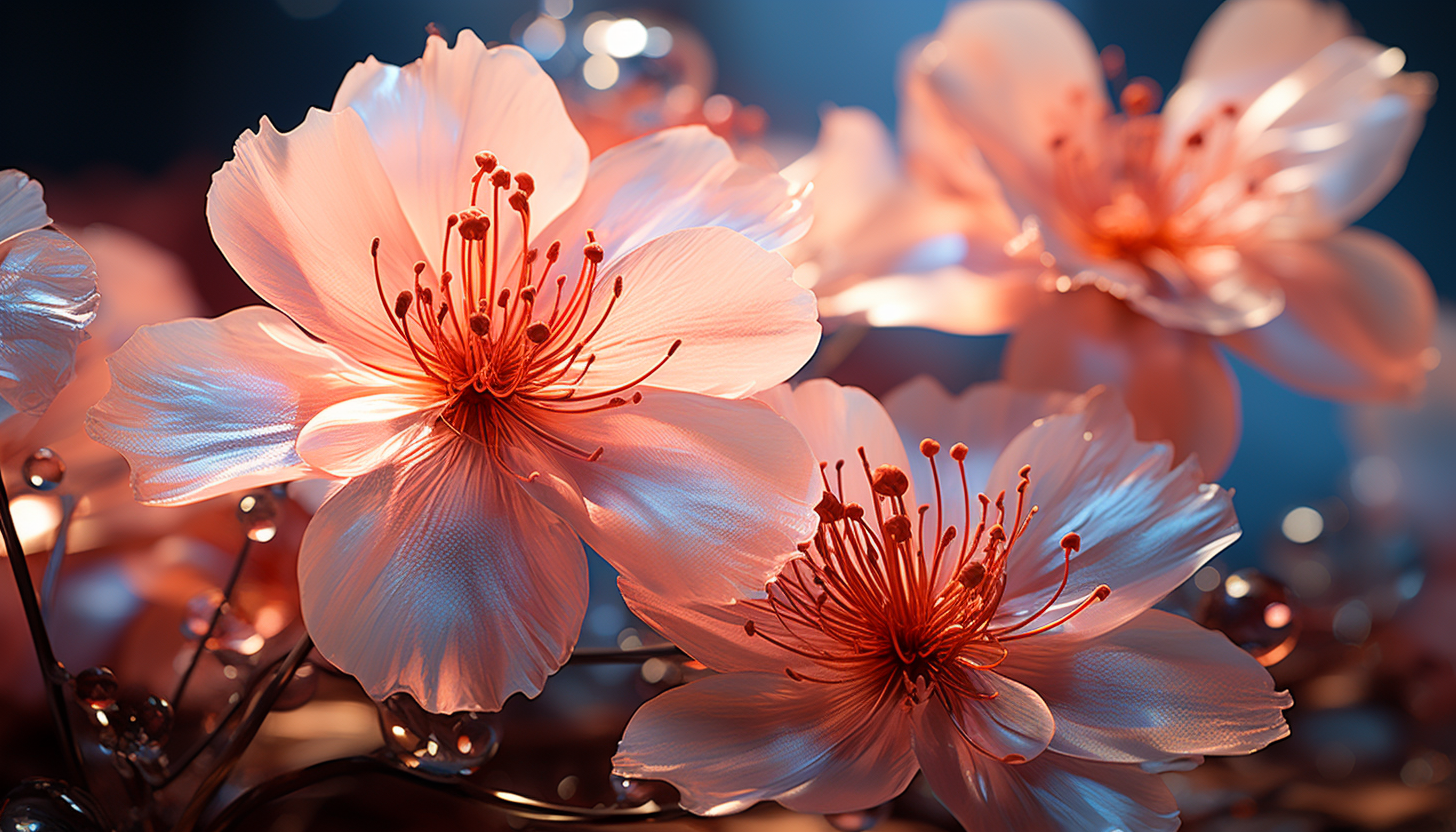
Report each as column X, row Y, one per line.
column 503, row 343
column 877, row 595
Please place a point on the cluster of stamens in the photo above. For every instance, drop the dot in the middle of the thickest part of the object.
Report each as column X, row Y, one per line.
column 866, row 600
column 488, row 335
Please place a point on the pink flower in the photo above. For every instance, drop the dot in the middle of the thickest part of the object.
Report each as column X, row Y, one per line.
column 1220, row 220
column 1004, row 647
column 47, row 297
column 513, row 347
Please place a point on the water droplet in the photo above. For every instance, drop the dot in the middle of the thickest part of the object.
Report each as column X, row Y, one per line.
column 859, row 821
column 300, row 688
column 133, row 725
column 1256, row 612
column 43, row 470
column 39, row 805
column 96, row 687
column 635, row 792
column 258, row 514
column 444, row 745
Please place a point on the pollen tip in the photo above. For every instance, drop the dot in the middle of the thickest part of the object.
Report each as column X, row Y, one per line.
column 486, row 160
column 596, row 455
column 1072, row 541
column 419, row 267
column 889, row 481
column 1024, row 472
column 504, row 298
column 537, row 333
column 526, row 183
column 897, row 528
column 519, row 202
column 749, row 628
column 553, row 251
column 528, row 294
column 637, row 397
column 958, row 451
column 446, row 277
column 1101, row 592
column 532, row 255
column 427, row 297
column 929, row 447
column 972, row 575
column 1013, row 759
column 501, row 178
column 402, row 304
column 617, row 286
column 479, row 324
column 854, row 511
column 829, row 509
column 996, row 532
column 593, row 251
column 451, row 220
column 675, row 344
column 374, row 248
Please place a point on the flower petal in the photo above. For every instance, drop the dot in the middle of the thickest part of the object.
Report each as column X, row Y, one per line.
column 692, row 495
column 1155, row 688
column 852, row 168
column 986, row 417
column 950, row 299
column 1145, row 525
column 1017, row 74
column 727, row 742
column 837, row 421
column 1051, row 792
column 22, row 204
column 744, row 324
column 428, row 120
column 204, row 407
column 1013, row 726
column 296, row 213
column 357, row 435
column 1360, row 317
column 436, row 575
column 47, row 298
column 682, row 177
column 1175, row 383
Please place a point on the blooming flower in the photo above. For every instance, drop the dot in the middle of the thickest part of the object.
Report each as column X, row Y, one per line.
column 1004, row 646
column 47, row 297
column 512, row 348
column 1220, row 220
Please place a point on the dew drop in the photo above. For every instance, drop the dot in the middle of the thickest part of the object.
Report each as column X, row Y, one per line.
column 1255, row 611
column 96, row 687
column 39, row 805
column 258, row 515
column 43, row 470
column 635, row 792
column 443, row 745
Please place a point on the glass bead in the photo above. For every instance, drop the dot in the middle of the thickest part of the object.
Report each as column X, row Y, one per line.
column 258, row 515
column 96, row 687
column 40, row 805
column 43, row 470
column 1256, row 612
column 444, row 745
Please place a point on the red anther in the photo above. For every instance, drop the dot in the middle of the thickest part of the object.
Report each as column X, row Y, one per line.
column 596, row 455
column 749, row 628
column 1141, row 96
column 594, row 252
column 617, row 286
column 889, row 481
column 374, row 248
column 591, row 235
column 531, row 256
column 897, row 528
column 958, row 451
column 1024, row 472
column 528, row 294
column 518, row 202
column 473, row 224
column 616, row 401
column 402, row 304
column 419, row 267
column 675, row 344
column 505, row 298
column 929, row 447
column 486, row 161
column 427, row 297
column 525, row 183
column 804, row 545
column 445, row 278
column 501, row 178
column 996, row 532
column 1101, row 592
column 1072, row 541
column 442, row 312
column 554, row 250
column 637, row 397
column 950, row 534
column 451, row 220
column 537, row 333
column 854, row 512
column 829, row 509
column 972, row 575
column 480, row 325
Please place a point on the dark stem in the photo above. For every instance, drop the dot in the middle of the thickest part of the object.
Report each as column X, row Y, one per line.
column 182, row 762
column 511, row 804
column 52, row 578
column 611, row 655
column 247, row 728
column 52, row 673
column 227, row 595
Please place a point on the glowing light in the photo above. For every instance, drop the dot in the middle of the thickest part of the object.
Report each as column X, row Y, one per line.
column 1207, row 579
column 600, row 72
column 717, row 109
column 1236, row 586
column 653, row 670
column 1303, row 524
column 594, row 38
column 1352, row 622
column 36, row 519
column 397, row 730
column 625, row 38
column 1375, row 481
column 1277, row 616
column 544, row 37
column 659, row 42
column 557, row 8
column 1389, row 62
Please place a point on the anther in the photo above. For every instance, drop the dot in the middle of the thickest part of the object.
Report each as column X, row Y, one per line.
column 929, row 447
column 854, row 512
column 829, row 509
column 528, row 294
column 479, row 324
column 1024, row 472
column 897, row 528
column 537, row 333
column 473, row 224
column 402, row 304
column 594, row 252
column 958, row 451
column 531, row 255
column 427, row 297
column 889, row 481
column 749, row 628
column 525, row 183
column 996, row 532
column 1072, row 541
column 554, row 250
column 617, row 286
column 504, row 299
column 672, row 349
column 442, row 312
column 596, row 455
column 518, row 201
column 486, row 161
column 1101, row 592
column 374, row 248
column 1140, row 97
column 419, row 267
column 501, row 178
column 972, row 575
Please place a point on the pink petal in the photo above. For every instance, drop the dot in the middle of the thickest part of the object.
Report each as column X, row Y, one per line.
column 837, row 421
column 1360, row 318
column 1158, row 687
column 744, row 324
column 436, row 575
column 204, row 407
column 22, row 204
column 730, row 741
column 683, row 177
column 950, row 299
column 1016, row 74
column 986, row 417
column 1051, row 792
column 427, row 121
column 296, row 214
column 47, row 298
column 357, row 435
column 1243, row 49
column 1013, row 726
column 940, row 153
column 1176, row 383
column 1145, row 525
column 692, row 495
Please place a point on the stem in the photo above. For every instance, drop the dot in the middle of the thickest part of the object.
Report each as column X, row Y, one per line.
column 52, row 577
column 247, row 729
column 227, row 594
column 511, row 804
column 611, row 655
column 52, row 673
column 180, row 765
